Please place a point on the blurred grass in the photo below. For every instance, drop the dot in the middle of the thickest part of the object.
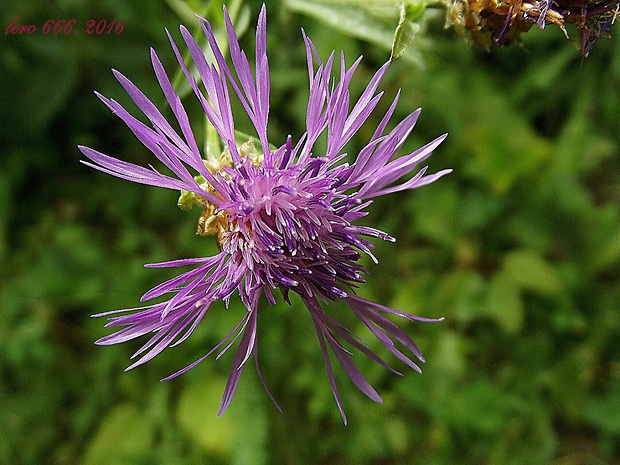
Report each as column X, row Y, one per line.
column 519, row 249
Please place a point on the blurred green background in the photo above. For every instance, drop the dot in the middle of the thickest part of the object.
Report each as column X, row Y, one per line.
column 519, row 250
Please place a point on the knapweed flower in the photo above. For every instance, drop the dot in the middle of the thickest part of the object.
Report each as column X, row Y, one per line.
column 285, row 218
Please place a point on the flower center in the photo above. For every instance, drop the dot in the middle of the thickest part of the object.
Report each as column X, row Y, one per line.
column 214, row 221
column 285, row 226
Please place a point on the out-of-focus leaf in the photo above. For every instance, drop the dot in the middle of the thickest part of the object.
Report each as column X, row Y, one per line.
column 196, row 415
column 67, row 268
column 356, row 22
column 450, row 354
column 532, row 272
column 38, row 106
column 250, row 415
column 608, row 254
column 359, row 22
column 578, row 147
column 504, row 146
column 462, row 294
column 183, row 10
column 436, row 215
column 602, row 411
column 543, row 78
column 125, row 436
column 504, row 302
column 5, row 191
column 567, row 317
column 479, row 406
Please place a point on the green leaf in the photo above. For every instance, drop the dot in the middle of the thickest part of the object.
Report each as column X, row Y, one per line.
column 450, row 353
column 125, row 436
column 532, row 272
column 184, row 11
column 505, row 146
column 602, row 411
column 352, row 21
column 372, row 22
column 607, row 255
column 504, row 302
column 249, row 410
column 406, row 29
column 196, row 414
column 461, row 293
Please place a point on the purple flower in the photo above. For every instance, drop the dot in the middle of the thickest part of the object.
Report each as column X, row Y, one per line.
column 285, row 217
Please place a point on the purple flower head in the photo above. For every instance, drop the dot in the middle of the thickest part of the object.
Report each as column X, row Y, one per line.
column 285, row 218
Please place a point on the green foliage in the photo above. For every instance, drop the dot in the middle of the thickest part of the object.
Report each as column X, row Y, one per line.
column 387, row 23
column 519, row 250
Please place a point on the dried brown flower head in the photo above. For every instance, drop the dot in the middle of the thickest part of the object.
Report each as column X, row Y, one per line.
column 501, row 21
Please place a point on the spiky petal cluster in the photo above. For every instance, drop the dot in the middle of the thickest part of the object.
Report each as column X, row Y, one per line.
column 286, row 220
